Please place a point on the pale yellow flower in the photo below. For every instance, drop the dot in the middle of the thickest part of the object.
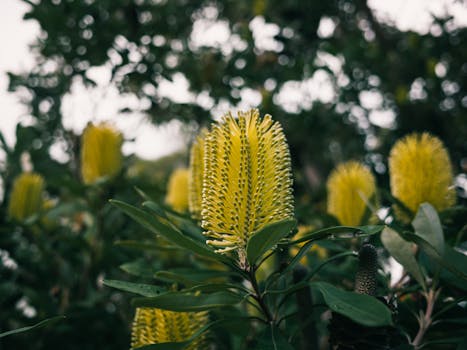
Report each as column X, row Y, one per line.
column 177, row 190
column 350, row 188
column 26, row 198
column 196, row 177
column 247, row 181
column 101, row 152
column 420, row 171
column 153, row 326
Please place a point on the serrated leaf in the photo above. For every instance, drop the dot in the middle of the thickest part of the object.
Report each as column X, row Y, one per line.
column 363, row 309
column 403, row 252
column 263, row 240
column 187, row 301
column 146, row 290
column 41, row 324
column 428, row 226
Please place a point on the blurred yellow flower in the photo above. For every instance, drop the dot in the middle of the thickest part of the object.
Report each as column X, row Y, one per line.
column 177, row 190
column 350, row 187
column 247, row 182
column 101, row 152
column 195, row 180
column 153, row 326
column 420, row 171
column 26, row 198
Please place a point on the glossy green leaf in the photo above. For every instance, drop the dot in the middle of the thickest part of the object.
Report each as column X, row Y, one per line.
column 363, row 309
column 263, row 240
column 403, row 252
column 172, row 234
column 41, row 324
column 342, row 232
column 428, row 226
column 146, row 290
column 187, row 301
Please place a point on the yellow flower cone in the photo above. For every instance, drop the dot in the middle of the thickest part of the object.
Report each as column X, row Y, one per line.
column 26, row 198
column 247, row 182
column 350, row 186
column 177, row 190
column 420, row 171
column 196, row 175
column 153, row 326
column 101, row 152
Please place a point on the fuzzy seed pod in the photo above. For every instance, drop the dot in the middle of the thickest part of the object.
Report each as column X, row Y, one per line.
column 365, row 279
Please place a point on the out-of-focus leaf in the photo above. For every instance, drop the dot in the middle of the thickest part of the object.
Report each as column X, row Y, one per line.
column 363, row 309
column 41, row 324
column 191, row 276
column 146, row 290
column 403, row 252
column 183, row 301
column 139, row 268
column 428, row 226
column 272, row 339
column 263, row 240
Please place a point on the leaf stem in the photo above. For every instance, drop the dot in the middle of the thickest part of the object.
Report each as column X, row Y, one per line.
column 425, row 319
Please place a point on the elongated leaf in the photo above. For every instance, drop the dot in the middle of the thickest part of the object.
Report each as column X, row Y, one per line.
column 272, row 339
column 183, row 301
column 191, row 276
column 363, row 309
column 403, row 252
column 146, row 290
column 342, row 232
column 139, row 268
column 170, row 233
column 428, row 226
column 41, row 324
column 433, row 253
column 263, row 240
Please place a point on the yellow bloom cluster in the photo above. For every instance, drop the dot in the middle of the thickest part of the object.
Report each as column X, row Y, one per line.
column 26, row 198
column 153, row 326
column 177, row 190
column 195, row 180
column 350, row 186
column 420, row 171
column 247, row 180
column 101, row 154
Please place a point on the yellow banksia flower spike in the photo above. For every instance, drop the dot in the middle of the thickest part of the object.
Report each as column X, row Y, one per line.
column 247, row 183
column 154, row 326
column 177, row 190
column 350, row 188
column 101, row 152
column 195, row 180
column 420, row 171
column 26, row 198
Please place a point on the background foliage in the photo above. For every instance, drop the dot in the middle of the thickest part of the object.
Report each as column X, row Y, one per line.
column 421, row 79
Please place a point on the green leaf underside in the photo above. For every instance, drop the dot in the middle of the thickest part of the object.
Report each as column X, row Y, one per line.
column 41, row 324
column 183, row 301
column 146, row 290
column 403, row 252
column 363, row 309
column 428, row 226
column 264, row 239
column 342, row 232
column 449, row 264
column 173, row 235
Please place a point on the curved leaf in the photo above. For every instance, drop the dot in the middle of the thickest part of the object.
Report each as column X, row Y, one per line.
column 41, row 324
column 146, row 290
column 428, row 226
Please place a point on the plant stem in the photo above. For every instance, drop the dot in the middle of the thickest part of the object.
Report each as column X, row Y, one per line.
column 259, row 297
column 425, row 319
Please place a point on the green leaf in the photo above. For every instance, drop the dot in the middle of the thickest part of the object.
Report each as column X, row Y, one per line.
column 146, row 290
column 143, row 245
column 343, row 232
column 263, row 240
column 41, row 324
column 363, row 309
column 191, row 276
column 186, row 301
column 428, row 226
column 140, row 268
column 433, row 253
column 403, row 252
column 272, row 339
column 172, row 234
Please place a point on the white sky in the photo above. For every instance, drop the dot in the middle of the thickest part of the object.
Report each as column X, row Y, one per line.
column 103, row 102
